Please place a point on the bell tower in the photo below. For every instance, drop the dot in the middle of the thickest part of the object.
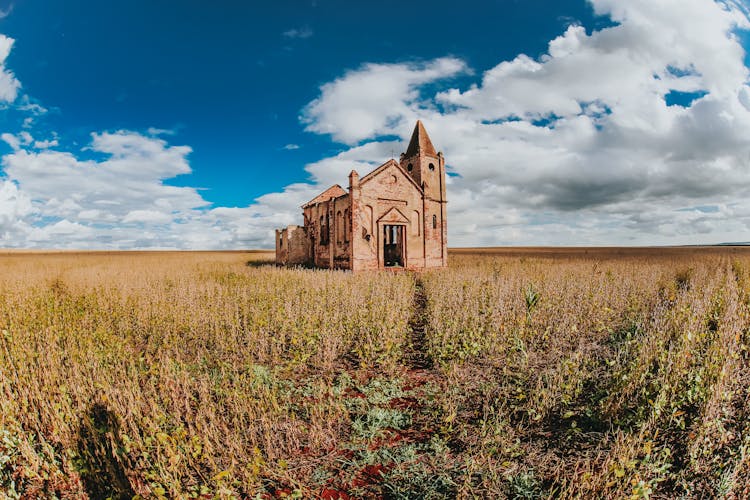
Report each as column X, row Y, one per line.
column 424, row 164
column 427, row 167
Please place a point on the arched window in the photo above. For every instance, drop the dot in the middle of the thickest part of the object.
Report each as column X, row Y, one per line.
column 432, row 167
column 346, row 225
column 434, row 221
column 328, row 225
column 281, row 239
column 339, row 226
column 322, row 232
column 410, row 167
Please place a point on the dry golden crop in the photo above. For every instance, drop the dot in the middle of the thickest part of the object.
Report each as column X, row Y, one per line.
column 514, row 373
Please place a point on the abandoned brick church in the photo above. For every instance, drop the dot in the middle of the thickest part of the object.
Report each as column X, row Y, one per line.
column 393, row 217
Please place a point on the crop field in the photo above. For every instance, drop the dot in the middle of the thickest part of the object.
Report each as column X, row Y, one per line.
column 515, row 373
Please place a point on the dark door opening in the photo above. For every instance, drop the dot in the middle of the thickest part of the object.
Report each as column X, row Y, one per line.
column 393, row 246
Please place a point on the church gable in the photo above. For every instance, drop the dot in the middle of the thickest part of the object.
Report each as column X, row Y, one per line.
column 394, row 216
column 389, row 174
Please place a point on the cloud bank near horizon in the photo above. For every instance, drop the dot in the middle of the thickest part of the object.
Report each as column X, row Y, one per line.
column 638, row 133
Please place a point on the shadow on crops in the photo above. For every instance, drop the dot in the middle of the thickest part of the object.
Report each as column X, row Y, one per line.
column 101, row 469
column 260, row 263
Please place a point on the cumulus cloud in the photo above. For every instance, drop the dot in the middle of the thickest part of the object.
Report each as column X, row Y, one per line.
column 11, row 140
column 130, row 178
column 46, row 144
column 54, row 198
column 578, row 145
column 112, row 193
column 374, row 99
column 9, row 85
column 15, row 206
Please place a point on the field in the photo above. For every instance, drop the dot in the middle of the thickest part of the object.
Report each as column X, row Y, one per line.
column 519, row 373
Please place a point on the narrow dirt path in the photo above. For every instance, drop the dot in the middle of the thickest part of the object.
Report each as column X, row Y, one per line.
column 400, row 457
column 417, row 356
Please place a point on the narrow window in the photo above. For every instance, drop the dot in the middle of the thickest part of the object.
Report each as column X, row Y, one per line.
column 410, row 167
column 346, row 226
column 369, row 212
column 322, row 232
column 434, row 221
column 432, row 167
column 339, row 226
column 328, row 225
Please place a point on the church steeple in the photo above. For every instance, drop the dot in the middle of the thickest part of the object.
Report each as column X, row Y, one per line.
column 420, row 142
column 425, row 165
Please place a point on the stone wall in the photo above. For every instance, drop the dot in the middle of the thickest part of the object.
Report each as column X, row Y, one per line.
column 330, row 232
column 292, row 246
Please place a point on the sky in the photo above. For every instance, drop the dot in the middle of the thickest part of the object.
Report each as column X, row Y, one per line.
column 199, row 125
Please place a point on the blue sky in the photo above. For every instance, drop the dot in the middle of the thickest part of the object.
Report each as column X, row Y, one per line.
column 231, row 80
column 248, row 108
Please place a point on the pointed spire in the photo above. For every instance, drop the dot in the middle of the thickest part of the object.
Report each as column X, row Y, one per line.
column 420, row 142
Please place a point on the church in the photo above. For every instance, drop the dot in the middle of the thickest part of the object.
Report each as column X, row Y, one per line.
column 394, row 217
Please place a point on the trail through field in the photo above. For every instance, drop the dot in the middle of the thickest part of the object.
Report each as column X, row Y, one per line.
column 417, row 356
column 395, row 448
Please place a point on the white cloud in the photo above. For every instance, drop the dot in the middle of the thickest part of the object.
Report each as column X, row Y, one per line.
column 160, row 131
column 15, row 206
column 61, row 233
column 11, row 140
column 23, row 138
column 119, row 200
column 27, row 105
column 9, row 85
column 5, row 13
column 298, row 33
column 46, row 144
column 129, row 179
column 291, row 147
column 373, row 99
column 56, row 199
column 335, row 170
column 148, row 216
column 575, row 147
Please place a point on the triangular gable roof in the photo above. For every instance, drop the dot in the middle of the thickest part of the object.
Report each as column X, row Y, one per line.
column 384, row 166
column 332, row 192
column 420, row 142
column 394, row 215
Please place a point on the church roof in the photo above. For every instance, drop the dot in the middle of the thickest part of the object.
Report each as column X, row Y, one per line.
column 420, row 142
column 332, row 192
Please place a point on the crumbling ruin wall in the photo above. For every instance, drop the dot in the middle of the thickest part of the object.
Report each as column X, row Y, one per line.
column 292, row 246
